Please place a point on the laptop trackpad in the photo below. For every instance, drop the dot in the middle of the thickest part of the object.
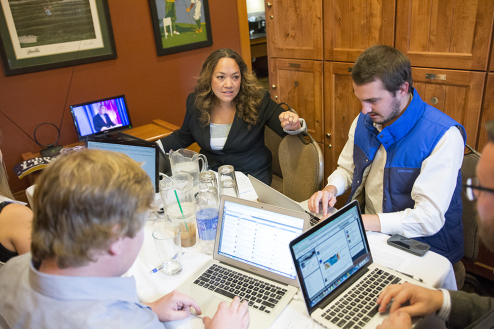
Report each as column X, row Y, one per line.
column 209, row 306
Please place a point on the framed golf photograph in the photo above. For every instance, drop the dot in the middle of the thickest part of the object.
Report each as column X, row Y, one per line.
column 39, row 35
column 180, row 25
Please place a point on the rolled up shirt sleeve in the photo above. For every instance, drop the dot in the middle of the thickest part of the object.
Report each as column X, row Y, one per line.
column 432, row 191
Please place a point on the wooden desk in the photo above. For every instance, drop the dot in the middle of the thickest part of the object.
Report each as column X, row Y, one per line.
column 150, row 132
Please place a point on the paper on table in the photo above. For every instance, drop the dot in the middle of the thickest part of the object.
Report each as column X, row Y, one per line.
column 295, row 316
column 391, row 260
column 245, row 189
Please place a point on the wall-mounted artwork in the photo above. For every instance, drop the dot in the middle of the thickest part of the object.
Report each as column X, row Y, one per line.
column 39, row 35
column 180, row 25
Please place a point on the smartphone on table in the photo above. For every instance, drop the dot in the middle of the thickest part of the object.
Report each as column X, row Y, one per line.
column 412, row 246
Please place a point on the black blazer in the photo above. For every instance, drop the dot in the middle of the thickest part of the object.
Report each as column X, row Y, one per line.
column 244, row 148
column 99, row 123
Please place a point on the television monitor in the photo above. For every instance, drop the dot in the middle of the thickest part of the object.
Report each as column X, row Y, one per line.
column 101, row 117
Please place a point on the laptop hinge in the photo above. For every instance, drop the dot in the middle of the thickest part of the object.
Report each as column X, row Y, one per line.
column 251, row 273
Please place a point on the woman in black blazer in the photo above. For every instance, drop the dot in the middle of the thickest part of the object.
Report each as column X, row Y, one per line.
column 226, row 116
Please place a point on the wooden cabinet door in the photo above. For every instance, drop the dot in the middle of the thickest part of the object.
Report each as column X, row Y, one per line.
column 452, row 34
column 294, row 28
column 456, row 93
column 341, row 108
column 487, row 111
column 351, row 26
column 299, row 84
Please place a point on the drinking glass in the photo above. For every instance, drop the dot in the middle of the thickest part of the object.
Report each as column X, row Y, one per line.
column 227, row 181
column 168, row 243
column 209, row 178
column 179, row 205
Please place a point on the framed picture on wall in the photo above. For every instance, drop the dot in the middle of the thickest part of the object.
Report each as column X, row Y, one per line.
column 39, row 35
column 180, row 25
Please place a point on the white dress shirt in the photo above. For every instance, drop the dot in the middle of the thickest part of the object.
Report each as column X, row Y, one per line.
column 432, row 190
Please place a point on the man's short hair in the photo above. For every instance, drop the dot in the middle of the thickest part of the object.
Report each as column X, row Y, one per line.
column 489, row 126
column 385, row 63
column 86, row 200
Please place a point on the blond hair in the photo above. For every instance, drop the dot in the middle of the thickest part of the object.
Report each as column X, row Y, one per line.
column 84, row 201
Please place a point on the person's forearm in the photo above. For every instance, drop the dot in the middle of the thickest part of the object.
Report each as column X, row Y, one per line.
column 372, row 223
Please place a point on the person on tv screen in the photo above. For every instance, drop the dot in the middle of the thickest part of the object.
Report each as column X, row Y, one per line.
column 226, row 116
column 102, row 121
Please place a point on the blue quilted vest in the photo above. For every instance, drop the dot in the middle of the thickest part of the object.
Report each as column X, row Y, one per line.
column 408, row 142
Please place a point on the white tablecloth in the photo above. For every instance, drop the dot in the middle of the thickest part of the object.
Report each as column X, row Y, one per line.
column 434, row 269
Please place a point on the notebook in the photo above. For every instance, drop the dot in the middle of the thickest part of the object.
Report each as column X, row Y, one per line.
column 251, row 260
column 142, row 152
column 337, row 276
column 269, row 195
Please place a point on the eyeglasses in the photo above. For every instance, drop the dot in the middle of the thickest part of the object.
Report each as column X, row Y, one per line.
column 473, row 184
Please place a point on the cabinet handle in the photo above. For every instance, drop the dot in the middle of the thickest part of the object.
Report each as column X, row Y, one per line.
column 435, row 76
column 275, row 97
column 434, row 100
column 270, row 5
column 330, row 146
column 328, row 135
column 271, row 16
column 273, row 86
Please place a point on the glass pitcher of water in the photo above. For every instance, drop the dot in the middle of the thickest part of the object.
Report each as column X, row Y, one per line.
column 184, row 160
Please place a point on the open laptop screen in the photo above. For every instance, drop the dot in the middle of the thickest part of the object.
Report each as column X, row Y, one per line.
column 259, row 237
column 142, row 152
column 330, row 253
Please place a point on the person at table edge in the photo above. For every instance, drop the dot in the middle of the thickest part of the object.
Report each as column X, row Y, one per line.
column 226, row 116
column 402, row 159
column 458, row 308
column 88, row 227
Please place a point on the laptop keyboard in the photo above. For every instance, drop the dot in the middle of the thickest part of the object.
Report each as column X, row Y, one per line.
column 358, row 306
column 260, row 294
column 314, row 220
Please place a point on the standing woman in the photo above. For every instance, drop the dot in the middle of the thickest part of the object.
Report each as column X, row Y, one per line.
column 226, row 116
column 15, row 221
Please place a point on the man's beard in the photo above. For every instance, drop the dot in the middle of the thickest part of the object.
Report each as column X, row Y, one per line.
column 395, row 111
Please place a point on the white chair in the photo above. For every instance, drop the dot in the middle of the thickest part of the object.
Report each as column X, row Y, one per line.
column 30, row 195
column 167, row 21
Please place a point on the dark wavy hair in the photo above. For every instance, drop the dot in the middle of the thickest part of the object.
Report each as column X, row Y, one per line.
column 249, row 96
column 385, row 63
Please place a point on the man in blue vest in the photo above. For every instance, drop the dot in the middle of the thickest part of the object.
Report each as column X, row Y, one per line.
column 402, row 159
column 458, row 308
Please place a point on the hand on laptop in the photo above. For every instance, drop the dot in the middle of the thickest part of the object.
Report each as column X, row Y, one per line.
column 174, row 306
column 397, row 320
column 423, row 301
column 327, row 197
column 236, row 316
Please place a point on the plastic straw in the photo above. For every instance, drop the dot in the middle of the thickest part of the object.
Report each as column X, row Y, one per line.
column 180, row 206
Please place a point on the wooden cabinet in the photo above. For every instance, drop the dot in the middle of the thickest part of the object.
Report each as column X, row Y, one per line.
column 456, row 93
column 341, row 108
column 452, row 34
column 487, row 110
column 350, row 27
column 294, row 28
column 299, row 84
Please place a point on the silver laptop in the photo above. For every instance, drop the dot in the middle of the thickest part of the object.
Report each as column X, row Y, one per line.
column 251, row 260
column 269, row 195
column 338, row 279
